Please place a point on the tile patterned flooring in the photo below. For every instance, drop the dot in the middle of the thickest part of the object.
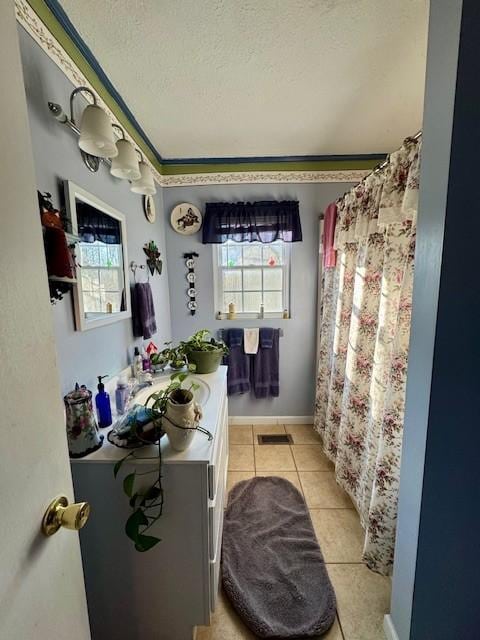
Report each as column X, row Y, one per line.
column 363, row 597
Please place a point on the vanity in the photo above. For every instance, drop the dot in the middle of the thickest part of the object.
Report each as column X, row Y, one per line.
column 163, row 593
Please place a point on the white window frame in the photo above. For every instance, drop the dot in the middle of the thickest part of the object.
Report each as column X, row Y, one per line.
column 84, row 267
column 73, row 193
column 218, row 281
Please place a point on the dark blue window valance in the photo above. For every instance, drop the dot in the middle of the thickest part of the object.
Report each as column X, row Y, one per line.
column 94, row 225
column 265, row 222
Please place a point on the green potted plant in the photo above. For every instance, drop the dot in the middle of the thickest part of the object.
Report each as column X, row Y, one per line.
column 174, row 356
column 143, row 485
column 158, row 362
column 203, row 352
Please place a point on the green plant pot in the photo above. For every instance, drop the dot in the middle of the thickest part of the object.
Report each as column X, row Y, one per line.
column 205, row 361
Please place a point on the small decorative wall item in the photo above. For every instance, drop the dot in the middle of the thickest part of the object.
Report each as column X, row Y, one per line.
column 186, row 219
column 153, row 258
column 191, row 292
column 149, row 208
column 59, row 251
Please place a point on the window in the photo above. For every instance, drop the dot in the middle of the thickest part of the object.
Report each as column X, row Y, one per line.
column 102, row 276
column 251, row 273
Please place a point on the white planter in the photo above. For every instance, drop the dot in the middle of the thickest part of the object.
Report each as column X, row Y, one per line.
column 180, row 422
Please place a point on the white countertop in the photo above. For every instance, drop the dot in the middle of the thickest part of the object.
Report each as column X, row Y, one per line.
column 201, row 448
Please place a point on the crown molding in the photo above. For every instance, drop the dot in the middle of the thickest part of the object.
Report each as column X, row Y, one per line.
column 36, row 17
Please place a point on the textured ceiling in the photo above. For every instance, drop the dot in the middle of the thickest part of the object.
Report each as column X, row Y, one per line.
column 216, row 78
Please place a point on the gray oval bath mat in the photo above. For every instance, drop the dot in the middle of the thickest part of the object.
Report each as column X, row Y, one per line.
column 272, row 567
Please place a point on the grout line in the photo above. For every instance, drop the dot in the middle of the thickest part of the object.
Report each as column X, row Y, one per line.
column 293, row 457
column 297, row 471
column 319, row 471
column 331, row 508
column 340, row 625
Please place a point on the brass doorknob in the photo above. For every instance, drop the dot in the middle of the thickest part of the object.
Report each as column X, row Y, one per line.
column 61, row 514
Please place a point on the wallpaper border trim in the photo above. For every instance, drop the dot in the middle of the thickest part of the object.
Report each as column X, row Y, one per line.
column 39, row 21
column 263, row 177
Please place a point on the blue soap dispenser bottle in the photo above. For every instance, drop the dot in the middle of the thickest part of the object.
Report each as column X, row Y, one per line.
column 102, row 401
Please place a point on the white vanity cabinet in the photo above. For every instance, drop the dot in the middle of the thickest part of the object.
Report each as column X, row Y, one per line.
column 163, row 593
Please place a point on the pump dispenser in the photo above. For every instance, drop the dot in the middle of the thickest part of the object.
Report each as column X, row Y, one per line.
column 102, row 401
column 137, row 363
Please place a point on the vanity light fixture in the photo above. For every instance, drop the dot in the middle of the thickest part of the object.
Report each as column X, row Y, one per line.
column 96, row 138
column 125, row 164
column 145, row 184
column 96, row 132
column 97, row 141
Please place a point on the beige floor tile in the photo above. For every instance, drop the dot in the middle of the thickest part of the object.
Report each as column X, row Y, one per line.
column 225, row 625
column 303, row 433
column 363, row 598
column 273, row 457
column 339, row 534
column 240, row 434
column 334, row 633
column 291, row 476
column 310, row 457
column 241, row 458
column 237, row 476
column 321, row 491
column 267, row 429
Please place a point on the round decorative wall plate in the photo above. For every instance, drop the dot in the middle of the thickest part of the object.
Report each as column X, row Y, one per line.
column 192, row 305
column 186, row 219
column 190, row 263
column 191, row 277
column 149, row 208
column 192, row 293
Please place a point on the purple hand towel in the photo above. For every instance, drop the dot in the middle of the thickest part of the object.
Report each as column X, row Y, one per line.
column 143, row 311
column 266, row 364
column 238, row 373
column 266, row 337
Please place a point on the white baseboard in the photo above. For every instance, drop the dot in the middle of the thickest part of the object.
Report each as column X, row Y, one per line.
column 270, row 419
column 389, row 629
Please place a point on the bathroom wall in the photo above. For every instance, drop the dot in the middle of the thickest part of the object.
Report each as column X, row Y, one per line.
column 297, row 347
column 83, row 355
column 106, row 350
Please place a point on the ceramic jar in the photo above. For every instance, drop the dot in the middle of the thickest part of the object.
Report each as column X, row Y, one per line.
column 181, row 419
column 82, row 430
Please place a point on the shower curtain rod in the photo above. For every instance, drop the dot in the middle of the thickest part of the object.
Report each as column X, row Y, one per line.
column 383, row 164
column 379, row 167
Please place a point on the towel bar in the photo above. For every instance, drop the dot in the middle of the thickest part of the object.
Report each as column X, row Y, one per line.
column 220, row 332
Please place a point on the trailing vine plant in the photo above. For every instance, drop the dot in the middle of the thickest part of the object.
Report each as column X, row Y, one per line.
column 147, row 502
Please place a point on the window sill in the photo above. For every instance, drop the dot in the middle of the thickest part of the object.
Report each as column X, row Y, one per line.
column 251, row 316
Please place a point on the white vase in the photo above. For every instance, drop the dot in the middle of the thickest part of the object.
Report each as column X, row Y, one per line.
column 180, row 422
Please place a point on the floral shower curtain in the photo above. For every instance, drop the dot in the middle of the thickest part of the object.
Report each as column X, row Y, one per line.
column 363, row 351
